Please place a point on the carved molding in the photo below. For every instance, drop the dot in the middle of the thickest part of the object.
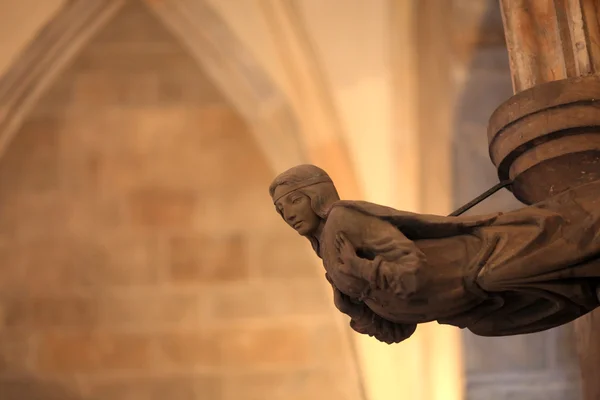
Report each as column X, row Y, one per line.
column 240, row 77
column 431, row 366
column 46, row 57
column 550, row 42
column 406, row 142
column 436, row 97
column 311, row 96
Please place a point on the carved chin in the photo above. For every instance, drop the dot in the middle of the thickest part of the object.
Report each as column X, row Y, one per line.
column 303, row 229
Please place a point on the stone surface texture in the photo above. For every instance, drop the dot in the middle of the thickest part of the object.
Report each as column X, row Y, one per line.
column 526, row 367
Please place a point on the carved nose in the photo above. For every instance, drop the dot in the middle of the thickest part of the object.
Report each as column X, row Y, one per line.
column 290, row 218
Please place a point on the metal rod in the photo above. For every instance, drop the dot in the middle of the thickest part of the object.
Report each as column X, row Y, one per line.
column 481, row 197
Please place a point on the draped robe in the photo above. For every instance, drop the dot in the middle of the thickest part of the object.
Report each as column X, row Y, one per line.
column 500, row 274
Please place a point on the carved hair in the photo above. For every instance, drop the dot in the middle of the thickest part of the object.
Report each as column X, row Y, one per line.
column 311, row 181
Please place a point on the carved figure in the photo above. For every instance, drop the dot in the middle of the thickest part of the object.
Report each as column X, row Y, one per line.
column 500, row 274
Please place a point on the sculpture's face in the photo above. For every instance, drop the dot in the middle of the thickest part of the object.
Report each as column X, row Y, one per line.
column 297, row 212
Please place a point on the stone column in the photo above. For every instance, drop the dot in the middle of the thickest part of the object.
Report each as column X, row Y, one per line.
column 547, row 136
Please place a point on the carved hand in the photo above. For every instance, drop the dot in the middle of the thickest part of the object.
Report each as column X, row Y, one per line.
column 352, row 265
column 346, row 254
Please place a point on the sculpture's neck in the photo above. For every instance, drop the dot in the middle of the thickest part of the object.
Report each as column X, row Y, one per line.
column 316, row 236
column 319, row 231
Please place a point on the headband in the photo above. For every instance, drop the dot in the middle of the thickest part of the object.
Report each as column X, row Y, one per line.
column 308, row 182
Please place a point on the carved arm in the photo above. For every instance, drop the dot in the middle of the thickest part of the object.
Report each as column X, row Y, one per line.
column 389, row 262
column 366, row 322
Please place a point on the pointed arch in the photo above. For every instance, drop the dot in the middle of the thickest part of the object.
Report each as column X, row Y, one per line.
column 239, row 76
column 323, row 129
column 204, row 34
column 37, row 67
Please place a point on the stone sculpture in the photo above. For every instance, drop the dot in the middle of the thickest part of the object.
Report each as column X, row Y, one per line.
column 500, row 274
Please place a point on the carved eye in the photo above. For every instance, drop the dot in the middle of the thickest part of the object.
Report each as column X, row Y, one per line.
column 296, row 200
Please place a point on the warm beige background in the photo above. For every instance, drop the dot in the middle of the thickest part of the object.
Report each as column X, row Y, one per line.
column 139, row 254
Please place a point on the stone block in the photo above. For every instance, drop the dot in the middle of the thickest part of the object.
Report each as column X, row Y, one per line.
column 121, row 172
column 160, row 207
column 131, row 59
column 67, row 262
column 41, row 313
column 47, row 268
column 10, row 263
column 85, row 132
column 94, row 90
column 80, row 173
column 134, row 23
column 140, row 92
column 159, row 388
column 239, row 146
column 227, row 211
column 301, row 384
column 207, row 258
column 329, row 346
column 131, row 259
column 222, row 130
column 16, row 351
column 56, row 98
column 153, row 131
column 33, row 158
column 152, row 138
column 189, row 349
column 272, row 299
column 281, row 345
column 33, row 217
column 187, row 87
column 31, row 387
column 70, row 352
column 282, row 254
column 151, row 308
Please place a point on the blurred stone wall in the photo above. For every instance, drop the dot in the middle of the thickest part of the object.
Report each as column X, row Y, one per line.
column 140, row 257
column 540, row 366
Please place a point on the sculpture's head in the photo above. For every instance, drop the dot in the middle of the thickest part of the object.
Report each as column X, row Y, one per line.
column 303, row 196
